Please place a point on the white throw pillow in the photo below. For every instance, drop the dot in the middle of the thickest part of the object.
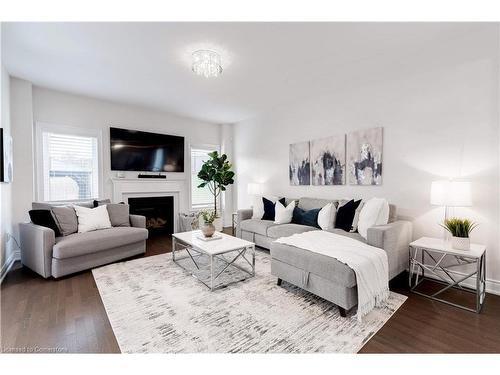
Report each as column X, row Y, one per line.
column 375, row 211
column 325, row 216
column 92, row 218
column 355, row 221
column 258, row 205
column 283, row 215
column 383, row 216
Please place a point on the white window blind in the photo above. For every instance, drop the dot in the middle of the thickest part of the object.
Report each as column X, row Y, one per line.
column 70, row 166
column 200, row 197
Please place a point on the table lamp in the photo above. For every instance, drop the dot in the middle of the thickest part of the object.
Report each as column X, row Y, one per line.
column 449, row 193
column 255, row 189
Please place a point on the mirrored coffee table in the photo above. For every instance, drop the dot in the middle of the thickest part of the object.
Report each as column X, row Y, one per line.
column 215, row 263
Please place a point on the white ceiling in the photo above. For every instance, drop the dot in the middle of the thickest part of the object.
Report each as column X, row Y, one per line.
column 265, row 64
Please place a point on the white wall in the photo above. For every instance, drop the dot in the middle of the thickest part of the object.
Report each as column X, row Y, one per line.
column 7, row 248
column 21, row 109
column 439, row 109
column 227, row 140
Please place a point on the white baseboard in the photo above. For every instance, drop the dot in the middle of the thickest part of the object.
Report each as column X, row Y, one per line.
column 16, row 255
column 492, row 286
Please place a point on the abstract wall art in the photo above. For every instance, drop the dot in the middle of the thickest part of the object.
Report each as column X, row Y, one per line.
column 299, row 164
column 5, row 157
column 364, row 157
column 328, row 160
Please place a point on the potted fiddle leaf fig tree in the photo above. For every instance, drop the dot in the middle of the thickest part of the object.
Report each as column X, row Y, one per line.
column 216, row 174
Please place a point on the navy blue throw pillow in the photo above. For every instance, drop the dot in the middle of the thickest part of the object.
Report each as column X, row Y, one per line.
column 269, row 210
column 345, row 215
column 44, row 218
column 309, row 218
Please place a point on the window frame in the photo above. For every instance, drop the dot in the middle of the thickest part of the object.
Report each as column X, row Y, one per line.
column 199, row 146
column 42, row 127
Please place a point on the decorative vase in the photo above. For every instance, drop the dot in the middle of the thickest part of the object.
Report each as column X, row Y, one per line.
column 218, row 224
column 208, row 230
column 460, row 243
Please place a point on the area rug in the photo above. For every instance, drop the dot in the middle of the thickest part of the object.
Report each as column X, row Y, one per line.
column 154, row 306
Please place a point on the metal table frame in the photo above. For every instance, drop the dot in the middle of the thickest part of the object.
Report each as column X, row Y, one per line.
column 193, row 253
column 418, row 266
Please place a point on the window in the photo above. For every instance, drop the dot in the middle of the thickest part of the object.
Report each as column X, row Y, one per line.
column 68, row 163
column 200, row 197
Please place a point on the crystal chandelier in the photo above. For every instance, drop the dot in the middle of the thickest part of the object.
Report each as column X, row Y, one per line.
column 206, row 63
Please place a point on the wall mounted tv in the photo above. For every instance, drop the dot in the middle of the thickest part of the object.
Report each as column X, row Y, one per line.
column 133, row 150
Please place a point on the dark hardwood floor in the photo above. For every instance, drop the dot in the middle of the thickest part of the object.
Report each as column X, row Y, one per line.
column 67, row 315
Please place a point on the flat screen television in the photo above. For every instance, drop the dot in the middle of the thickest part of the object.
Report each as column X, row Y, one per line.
column 133, row 150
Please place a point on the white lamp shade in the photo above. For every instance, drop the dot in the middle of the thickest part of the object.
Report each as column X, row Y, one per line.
column 255, row 189
column 451, row 193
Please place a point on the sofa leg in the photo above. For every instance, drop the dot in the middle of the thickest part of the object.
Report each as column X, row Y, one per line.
column 279, row 282
column 342, row 312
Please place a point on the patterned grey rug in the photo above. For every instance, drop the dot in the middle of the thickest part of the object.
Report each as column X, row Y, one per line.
column 154, row 306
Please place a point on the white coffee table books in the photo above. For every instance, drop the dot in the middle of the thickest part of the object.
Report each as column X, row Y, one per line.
column 216, row 264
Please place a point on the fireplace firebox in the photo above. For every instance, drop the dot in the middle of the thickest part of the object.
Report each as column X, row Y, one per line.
column 159, row 213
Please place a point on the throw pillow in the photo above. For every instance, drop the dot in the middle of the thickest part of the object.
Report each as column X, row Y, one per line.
column 283, row 214
column 45, row 219
column 345, row 215
column 119, row 214
column 325, row 217
column 269, row 209
column 354, row 227
column 309, row 218
column 102, row 202
column 374, row 212
column 92, row 218
column 66, row 219
column 258, row 205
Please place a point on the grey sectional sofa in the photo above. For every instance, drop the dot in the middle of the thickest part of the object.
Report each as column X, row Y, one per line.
column 49, row 255
column 320, row 274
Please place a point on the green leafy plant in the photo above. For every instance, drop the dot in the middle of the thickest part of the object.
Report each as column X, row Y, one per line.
column 208, row 216
column 216, row 174
column 459, row 227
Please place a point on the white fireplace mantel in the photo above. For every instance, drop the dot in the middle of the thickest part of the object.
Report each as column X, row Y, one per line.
column 125, row 188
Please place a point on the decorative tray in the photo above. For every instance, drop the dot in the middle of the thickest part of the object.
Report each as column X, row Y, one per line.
column 213, row 238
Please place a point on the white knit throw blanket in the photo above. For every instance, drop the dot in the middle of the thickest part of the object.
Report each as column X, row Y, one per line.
column 369, row 263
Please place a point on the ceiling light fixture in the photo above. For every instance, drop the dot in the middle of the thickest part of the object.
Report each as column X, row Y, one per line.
column 206, row 63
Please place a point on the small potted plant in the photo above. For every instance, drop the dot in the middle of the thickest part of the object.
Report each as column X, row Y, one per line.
column 460, row 230
column 208, row 228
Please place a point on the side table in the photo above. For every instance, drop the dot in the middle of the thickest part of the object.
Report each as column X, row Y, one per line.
column 444, row 260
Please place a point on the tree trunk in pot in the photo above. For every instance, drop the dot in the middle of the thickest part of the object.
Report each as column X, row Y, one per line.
column 218, row 224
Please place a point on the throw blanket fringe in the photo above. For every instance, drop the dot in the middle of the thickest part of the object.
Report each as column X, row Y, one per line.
column 378, row 300
column 369, row 263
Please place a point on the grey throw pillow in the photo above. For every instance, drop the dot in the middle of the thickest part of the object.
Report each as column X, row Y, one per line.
column 66, row 219
column 118, row 214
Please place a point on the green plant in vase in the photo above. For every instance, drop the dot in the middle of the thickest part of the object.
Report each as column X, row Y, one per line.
column 216, row 174
column 208, row 228
column 460, row 229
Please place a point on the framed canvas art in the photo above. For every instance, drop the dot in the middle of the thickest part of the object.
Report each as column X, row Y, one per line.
column 299, row 164
column 5, row 157
column 364, row 156
column 328, row 160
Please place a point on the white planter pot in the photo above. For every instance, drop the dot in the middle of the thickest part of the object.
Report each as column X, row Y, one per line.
column 460, row 243
column 218, row 224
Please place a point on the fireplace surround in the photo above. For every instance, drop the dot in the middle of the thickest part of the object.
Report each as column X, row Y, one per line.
column 124, row 189
column 158, row 210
